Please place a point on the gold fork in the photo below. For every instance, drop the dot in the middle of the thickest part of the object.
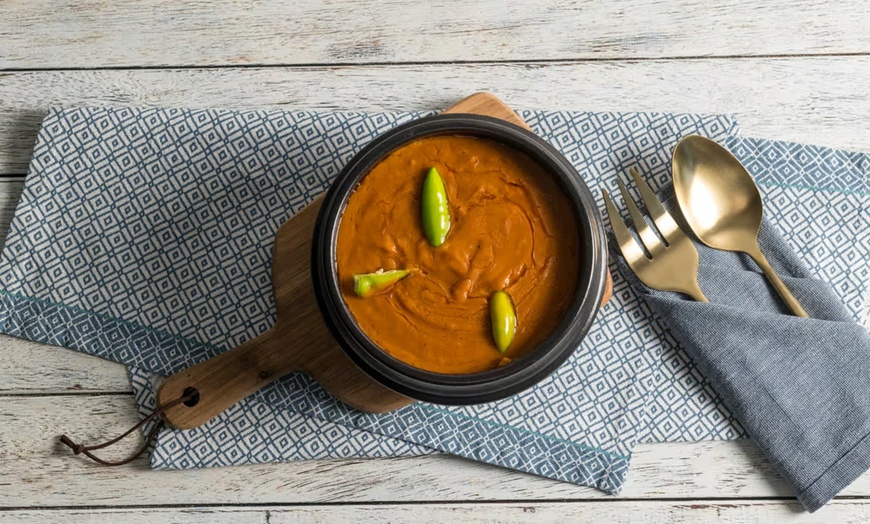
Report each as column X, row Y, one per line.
column 668, row 267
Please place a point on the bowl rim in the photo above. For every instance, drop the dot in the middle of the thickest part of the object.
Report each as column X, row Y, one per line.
column 473, row 388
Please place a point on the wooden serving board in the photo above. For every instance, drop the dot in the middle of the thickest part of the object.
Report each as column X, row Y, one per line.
column 299, row 340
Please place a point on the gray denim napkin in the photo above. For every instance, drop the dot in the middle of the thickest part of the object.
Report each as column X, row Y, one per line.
column 800, row 387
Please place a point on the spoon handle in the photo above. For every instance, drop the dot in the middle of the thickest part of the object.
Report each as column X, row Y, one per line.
column 778, row 284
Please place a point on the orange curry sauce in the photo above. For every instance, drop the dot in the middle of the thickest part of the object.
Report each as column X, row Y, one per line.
column 511, row 229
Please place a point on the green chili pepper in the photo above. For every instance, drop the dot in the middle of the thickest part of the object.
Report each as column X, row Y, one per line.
column 503, row 319
column 435, row 210
column 368, row 284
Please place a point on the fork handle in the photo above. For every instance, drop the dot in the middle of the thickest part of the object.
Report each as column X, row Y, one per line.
column 696, row 293
column 777, row 283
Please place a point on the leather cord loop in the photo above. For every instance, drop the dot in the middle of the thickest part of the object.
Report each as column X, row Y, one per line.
column 81, row 449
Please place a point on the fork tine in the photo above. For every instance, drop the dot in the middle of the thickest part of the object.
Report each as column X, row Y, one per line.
column 649, row 239
column 660, row 217
column 629, row 247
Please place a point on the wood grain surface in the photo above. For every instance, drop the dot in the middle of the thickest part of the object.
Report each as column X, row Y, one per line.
column 816, row 100
column 792, row 70
column 37, row 471
column 631, row 512
column 134, row 33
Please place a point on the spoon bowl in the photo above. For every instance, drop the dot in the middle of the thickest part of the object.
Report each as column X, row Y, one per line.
column 722, row 205
column 713, row 184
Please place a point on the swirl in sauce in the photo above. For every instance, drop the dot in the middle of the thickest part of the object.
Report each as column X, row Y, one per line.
column 512, row 229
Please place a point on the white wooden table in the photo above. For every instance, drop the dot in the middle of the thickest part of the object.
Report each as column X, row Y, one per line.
column 788, row 69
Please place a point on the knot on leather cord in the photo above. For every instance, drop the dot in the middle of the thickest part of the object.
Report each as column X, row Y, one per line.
column 77, row 448
column 190, row 394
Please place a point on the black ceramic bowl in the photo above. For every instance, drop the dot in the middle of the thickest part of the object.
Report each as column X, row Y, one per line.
column 473, row 388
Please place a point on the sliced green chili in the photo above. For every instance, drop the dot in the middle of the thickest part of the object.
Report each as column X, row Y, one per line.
column 503, row 319
column 435, row 209
column 368, row 284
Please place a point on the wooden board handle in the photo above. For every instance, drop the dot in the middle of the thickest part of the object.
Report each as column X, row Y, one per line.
column 299, row 340
column 223, row 380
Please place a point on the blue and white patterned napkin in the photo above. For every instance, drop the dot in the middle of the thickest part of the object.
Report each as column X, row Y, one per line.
column 135, row 227
column 817, row 196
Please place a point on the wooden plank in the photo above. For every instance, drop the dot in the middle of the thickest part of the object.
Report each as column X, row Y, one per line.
column 10, row 192
column 145, row 516
column 816, row 100
column 51, row 34
column 36, row 470
column 636, row 512
column 28, row 368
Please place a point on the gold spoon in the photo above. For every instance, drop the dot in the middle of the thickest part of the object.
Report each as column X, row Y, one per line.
column 722, row 205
